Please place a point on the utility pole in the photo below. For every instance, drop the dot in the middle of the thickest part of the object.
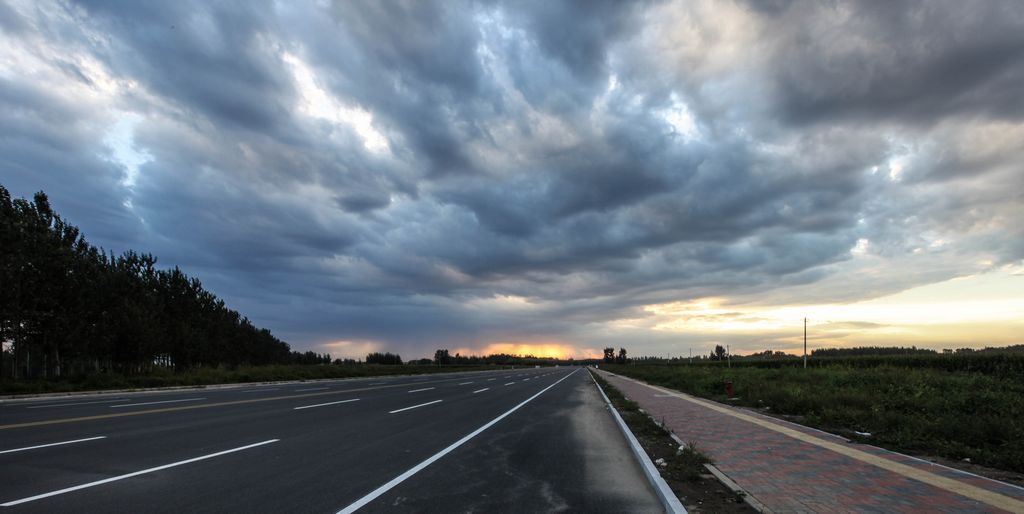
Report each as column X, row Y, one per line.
column 805, row 343
column 728, row 355
column 691, row 355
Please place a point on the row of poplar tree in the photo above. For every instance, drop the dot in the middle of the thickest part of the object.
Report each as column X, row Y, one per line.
column 67, row 307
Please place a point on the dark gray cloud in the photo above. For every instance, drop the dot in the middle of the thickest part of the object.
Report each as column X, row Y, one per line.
column 426, row 173
column 216, row 60
column 10, row 20
column 577, row 33
column 906, row 61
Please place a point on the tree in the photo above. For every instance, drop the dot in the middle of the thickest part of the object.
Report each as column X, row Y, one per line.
column 442, row 357
column 69, row 307
column 383, row 358
column 718, row 354
column 609, row 355
column 621, row 359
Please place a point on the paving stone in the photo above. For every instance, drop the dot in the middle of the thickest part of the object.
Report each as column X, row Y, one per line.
column 787, row 474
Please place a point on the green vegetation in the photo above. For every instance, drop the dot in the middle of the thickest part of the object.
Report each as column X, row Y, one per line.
column 1006, row 362
column 69, row 308
column 609, row 356
column 956, row 406
column 388, row 358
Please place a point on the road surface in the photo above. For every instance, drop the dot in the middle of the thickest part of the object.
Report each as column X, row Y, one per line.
column 516, row 441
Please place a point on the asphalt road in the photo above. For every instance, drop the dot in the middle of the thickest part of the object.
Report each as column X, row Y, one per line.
column 532, row 440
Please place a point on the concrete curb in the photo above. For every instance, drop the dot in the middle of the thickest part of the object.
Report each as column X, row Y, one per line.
column 665, row 494
column 753, row 502
column 728, row 482
column 722, row 477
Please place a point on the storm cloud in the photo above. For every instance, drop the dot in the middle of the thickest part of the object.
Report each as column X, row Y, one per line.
column 403, row 175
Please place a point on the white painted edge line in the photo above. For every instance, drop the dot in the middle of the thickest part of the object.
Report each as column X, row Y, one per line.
column 154, row 403
column 418, row 390
column 135, row 474
column 311, row 389
column 416, row 406
column 665, row 494
column 326, row 404
column 419, row 467
column 481, row 390
column 54, row 444
column 260, row 390
column 464, row 383
column 76, row 403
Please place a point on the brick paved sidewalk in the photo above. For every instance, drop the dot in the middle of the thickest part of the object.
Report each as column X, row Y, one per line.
column 792, row 468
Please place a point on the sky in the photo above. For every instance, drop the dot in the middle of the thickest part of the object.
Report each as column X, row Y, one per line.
column 543, row 177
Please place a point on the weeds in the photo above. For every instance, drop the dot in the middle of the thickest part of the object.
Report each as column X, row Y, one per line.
column 692, row 460
column 926, row 410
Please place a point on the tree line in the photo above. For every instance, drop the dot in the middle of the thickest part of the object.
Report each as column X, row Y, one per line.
column 442, row 357
column 68, row 307
column 611, row 358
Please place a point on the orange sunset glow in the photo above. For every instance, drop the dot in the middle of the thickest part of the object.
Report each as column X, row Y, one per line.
column 554, row 350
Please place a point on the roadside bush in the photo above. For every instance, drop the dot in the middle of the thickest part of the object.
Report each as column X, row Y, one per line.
column 913, row 404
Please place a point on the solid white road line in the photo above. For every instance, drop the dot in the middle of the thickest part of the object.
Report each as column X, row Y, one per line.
column 261, row 390
column 464, row 383
column 76, row 403
column 489, row 379
column 416, row 406
column 54, row 444
column 419, row 467
column 325, row 404
column 418, row 390
column 510, row 383
column 154, row 403
column 481, row 390
column 311, row 389
column 135, row 474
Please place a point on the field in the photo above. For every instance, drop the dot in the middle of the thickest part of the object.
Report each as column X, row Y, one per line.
column 955, row 407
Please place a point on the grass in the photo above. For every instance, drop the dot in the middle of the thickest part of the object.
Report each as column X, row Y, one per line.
column 212, row 376
column 922, row 410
